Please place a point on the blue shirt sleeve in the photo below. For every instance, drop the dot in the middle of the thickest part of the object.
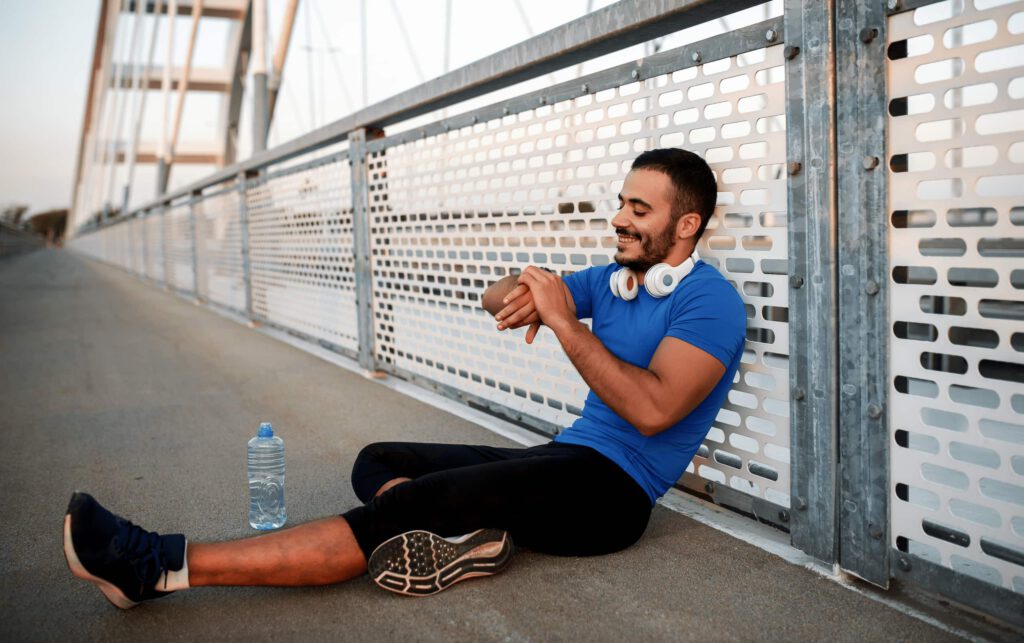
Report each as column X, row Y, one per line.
column 711, row 318
column 581, row 288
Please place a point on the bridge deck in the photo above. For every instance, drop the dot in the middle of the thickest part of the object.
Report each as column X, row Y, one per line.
column 112, row 386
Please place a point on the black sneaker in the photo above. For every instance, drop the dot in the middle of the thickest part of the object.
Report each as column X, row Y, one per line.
column 419, row 563
column 124, row 560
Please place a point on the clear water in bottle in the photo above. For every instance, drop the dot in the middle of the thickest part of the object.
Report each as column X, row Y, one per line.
column 266, row 479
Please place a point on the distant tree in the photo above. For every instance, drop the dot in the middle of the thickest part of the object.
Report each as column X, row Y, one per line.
column 50, row 225
column 12, row 213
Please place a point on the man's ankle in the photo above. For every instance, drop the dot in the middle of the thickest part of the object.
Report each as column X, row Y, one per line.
column 390, row 483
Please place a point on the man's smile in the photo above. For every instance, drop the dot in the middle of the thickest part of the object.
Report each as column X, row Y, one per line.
column 627, row 238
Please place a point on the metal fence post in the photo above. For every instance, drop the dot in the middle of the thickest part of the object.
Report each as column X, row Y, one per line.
column 144, row 272
column 361, row 234
column 162, row 213
column 813, row 376
column 863, row 503
column 243, row 224
column 192, row 203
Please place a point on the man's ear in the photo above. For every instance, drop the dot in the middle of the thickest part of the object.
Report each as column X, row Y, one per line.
column 687, row 225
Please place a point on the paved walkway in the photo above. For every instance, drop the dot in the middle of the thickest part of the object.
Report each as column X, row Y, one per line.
column 115, row 387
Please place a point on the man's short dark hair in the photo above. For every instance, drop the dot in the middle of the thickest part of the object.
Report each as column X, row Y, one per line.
column 696, row 190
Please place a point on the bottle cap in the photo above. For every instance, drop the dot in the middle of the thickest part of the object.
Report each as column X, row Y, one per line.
column 266, row 431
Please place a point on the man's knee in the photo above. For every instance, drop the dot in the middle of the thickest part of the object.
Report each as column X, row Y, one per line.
column 370, row 471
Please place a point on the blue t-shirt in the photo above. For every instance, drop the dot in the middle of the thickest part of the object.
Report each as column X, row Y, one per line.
column 704, row 310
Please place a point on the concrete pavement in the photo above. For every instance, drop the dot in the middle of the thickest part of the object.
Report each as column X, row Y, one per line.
column 118, row 388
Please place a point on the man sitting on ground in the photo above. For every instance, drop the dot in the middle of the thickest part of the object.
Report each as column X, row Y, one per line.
column 666, row 340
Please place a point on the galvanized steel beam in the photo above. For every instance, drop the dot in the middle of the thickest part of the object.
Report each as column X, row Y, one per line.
column 361, row 237
column 243, row 222
column 813, row 360
column 863, row 503
column 1000, row 602
column 193, row 203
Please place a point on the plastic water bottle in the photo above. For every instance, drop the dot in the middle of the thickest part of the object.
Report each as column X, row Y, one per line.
column 266, row 479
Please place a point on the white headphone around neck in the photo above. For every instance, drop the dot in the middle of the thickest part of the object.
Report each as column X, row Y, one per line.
column 660, row 280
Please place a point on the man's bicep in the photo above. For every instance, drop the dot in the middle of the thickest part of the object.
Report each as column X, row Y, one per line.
column 686, row 375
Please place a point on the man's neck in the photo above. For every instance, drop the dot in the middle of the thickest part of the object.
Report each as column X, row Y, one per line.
column 675, row 256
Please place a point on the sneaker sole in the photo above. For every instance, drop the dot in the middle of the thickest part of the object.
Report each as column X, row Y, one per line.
column 420, row 563
column 113, row 594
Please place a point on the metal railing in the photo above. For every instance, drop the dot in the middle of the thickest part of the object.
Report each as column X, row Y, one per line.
column 878, row 411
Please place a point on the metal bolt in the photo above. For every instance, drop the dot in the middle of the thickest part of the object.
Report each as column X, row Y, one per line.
column 799, row 394
column 584, row 88
column 791, row 52
column 801, row 504
column 893, row 5
column 870, row 162
column 796, row 281
column 506, row 111
column 784, row 515
column 874, row 411
column 696, row 57
column 867, row 34
column 542, row 100
column 794, row 167
column 875, row 531
column 709, row 487
column 903, row 563
column 871, row 288
column 771, row 35
column 635, row 74
column 476, row 119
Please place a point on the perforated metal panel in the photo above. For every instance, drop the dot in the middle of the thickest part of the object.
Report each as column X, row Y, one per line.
column 118, row 252
column 137, row 247
column 179, row 267
column 89, row 244
column 301, row 251
column 956, row 78
column 220, row 275
column 453, row 212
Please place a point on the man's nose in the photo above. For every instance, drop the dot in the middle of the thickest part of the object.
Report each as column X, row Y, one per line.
column 620, row 220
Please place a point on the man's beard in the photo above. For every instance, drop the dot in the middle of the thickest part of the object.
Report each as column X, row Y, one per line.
column 653, row 250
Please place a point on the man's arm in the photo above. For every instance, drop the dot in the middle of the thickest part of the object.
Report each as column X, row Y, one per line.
column 652, row 399
column 511, row 304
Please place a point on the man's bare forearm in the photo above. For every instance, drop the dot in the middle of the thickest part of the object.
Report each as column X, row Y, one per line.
column 623, row 387
column 495, row 293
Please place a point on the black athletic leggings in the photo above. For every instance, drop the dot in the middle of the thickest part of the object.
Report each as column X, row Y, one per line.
column 561, row 499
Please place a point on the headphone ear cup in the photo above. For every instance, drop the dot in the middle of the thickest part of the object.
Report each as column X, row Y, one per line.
column 660, row 280
column 623, row 284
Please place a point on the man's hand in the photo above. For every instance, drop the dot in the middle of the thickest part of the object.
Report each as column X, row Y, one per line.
column 519, row 311
column 549, row 295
